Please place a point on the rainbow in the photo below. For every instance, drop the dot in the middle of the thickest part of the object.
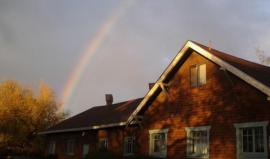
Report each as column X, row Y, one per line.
column 93, row 46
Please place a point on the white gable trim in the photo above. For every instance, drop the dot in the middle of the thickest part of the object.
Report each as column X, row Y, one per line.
column 250, row 80
column 158, row 82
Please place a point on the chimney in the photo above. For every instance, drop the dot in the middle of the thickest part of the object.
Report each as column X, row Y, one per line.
column 109, row 99
column 151, row 85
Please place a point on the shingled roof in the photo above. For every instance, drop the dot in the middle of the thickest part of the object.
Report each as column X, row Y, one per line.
column 97, row 117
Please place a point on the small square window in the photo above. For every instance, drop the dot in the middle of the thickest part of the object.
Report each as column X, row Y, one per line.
column 198, row 75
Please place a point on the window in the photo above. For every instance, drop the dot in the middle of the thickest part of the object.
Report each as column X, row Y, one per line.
column 158, row 143
column 129, row 143
column 51, row 149
column 198, row 141
column 70, row 147
column 85, row 150
column 251, row 140
column 103, row 144
column 198, row 75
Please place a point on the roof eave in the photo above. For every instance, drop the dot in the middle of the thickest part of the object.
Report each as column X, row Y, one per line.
column 95, row 127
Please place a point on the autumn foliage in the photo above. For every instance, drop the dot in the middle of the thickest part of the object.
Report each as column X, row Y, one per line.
column 23, row 114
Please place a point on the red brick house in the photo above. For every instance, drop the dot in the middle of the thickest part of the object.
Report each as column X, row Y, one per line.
column 206, row 104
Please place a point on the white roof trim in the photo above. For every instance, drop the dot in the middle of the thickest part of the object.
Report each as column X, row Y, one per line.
column 252, row 81
column 157, row 84
column 84, row 128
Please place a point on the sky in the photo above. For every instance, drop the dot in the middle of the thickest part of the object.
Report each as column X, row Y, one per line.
column 85, row 49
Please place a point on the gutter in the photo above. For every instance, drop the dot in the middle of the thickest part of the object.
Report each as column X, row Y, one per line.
column 95, row 127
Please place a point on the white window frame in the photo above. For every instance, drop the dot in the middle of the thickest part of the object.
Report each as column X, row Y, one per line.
column 251, row 155
column 151, row 143
column 125, row 144
column 52, row 147
column 105, row 141
column 70, row 143
column 199, row 80
column 199, row 128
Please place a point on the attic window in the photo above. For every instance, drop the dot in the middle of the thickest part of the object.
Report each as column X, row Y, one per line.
column 198, row 75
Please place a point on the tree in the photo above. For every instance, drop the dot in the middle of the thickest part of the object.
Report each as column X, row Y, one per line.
column 264, row 59
column 23, row 114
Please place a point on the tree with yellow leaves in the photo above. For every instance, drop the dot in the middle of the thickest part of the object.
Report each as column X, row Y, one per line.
column 23, row 114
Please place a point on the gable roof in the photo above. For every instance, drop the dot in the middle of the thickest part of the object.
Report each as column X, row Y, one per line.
column 97, row 117
column 254, row 74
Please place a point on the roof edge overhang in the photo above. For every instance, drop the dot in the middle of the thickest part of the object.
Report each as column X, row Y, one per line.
column 191, row 45
column 95, row 127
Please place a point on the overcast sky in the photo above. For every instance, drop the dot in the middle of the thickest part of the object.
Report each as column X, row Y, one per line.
column 44, row 39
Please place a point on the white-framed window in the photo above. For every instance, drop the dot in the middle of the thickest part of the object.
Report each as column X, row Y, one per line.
column 51, row 148
column 103, row 143
column 198, row 141
column 198, row 75
column 158, row 143
column 70, row 147
column 251, row 140
column 129, row 145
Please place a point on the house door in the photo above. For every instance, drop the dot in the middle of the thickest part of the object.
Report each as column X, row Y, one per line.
column 85, row 150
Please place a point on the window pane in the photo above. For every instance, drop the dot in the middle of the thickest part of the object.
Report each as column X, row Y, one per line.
column 52, row 147
column 247, row 140
column 129, row 145
column 259, row 146
column 156, row 143
column 159, row 142
column 199, row 143
column 103, row 144
column 70, row 146
column 193, row 76
column 202, row 75
column 85, row 149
